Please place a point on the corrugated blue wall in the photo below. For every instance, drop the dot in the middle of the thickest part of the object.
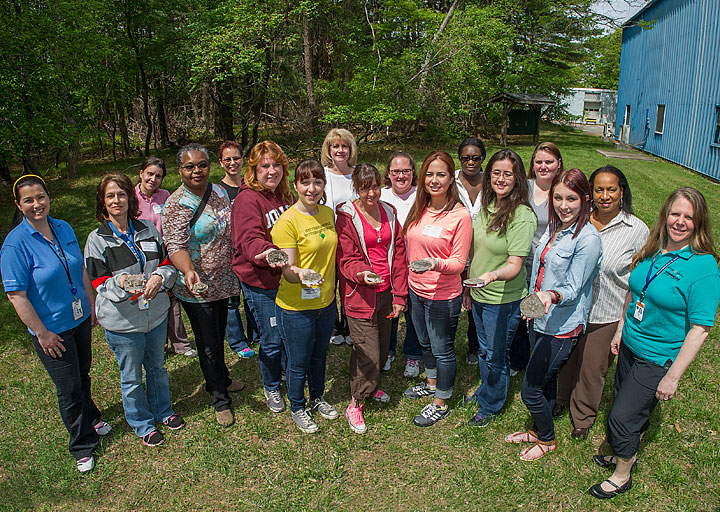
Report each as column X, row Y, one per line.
column 675, row 63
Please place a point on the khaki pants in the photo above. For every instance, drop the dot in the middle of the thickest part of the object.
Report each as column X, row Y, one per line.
column 371, row 344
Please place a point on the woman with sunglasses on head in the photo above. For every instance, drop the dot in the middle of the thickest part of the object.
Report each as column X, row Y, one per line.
column 545, row 163
column 502, row 236
column 438, row 234
column 566, row 262
column 263, row 197
column 582, row 378
column 400, row 190
column 196, row 231
column 373, row 282
column 134, row 316
column 151, row 200
column 670, row 309
column 305, row 303
column 44, row 277
column 469, row 179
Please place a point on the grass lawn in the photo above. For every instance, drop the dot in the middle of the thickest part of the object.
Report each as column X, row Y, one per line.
column 264, row 463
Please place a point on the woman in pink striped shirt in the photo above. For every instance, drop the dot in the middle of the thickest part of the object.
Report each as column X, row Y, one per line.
column 438, row 232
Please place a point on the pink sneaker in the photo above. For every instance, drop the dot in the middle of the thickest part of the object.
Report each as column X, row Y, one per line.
column 355, row 419
column 380, row 396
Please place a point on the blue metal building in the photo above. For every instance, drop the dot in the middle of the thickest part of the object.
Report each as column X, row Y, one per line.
column 669, row 91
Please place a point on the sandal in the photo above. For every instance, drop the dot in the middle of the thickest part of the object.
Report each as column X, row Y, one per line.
column 522, row 437
column 544, row 446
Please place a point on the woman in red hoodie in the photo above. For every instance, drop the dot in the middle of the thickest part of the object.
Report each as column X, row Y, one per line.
column 263, row 196
column 373, row 279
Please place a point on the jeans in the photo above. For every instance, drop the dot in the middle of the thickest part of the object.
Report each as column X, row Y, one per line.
column 237, row 340
column 69, row 373
column 495, row 324
column 411, row 347
column 262, row 309
column 539, row 386
column 436, row 322
column 208, row 321
column 135, row 350
column 306, row 335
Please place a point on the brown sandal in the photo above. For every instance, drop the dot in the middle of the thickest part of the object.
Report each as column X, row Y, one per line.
column 524, row 437
column 545, row 448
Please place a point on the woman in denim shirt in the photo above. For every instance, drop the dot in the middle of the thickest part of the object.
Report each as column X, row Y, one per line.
column 565, row 263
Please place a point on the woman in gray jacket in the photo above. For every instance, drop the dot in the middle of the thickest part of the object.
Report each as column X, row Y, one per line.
column 127, row 263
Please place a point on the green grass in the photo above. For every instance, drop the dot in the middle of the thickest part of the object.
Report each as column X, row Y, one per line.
column 264, row 463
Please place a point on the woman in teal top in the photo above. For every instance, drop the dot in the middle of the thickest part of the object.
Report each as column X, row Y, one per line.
column 671, row 306
column 502, row 236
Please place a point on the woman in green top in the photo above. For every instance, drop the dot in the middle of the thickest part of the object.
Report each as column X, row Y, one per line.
column 502, row 236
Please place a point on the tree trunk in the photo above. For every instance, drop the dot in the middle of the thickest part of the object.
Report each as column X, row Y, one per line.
column 307, row 64
column 124, row 137
column 224, row 103
column 426, row 66
column 5, row 172
column 146, row 105
column 162, row 121
column 73, row 159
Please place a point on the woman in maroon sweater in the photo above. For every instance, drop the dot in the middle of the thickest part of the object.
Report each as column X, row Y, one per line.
column 263, row 196
column 373, row 283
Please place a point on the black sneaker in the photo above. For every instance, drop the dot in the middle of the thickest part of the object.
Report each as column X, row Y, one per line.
column 174, row 422
column 419, row 391
column 430, row 415
column 479, row 421
column 154, row 438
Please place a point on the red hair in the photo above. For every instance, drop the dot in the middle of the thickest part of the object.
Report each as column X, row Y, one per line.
column 575, row 180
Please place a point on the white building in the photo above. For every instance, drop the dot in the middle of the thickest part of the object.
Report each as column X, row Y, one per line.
column 592, row 106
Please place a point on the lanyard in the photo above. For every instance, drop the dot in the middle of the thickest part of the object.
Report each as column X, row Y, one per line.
column 649, row 279
column 57, row 249
column 129, row 240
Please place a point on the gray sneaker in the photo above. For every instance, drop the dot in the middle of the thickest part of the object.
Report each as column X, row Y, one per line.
column 471, row 358
column 304, row 422
column 326, row 410
column 419, row 391
column 274, row 400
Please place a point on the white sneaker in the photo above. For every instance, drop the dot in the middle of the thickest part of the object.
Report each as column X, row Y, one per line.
column 102, row 428
column 389, row 361
column 412, row 368
column 86, row 464
column 304, row 422
column 348, row 340
column 338, row 339
column 190, row 353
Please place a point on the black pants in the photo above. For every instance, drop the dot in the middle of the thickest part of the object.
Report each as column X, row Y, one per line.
column 520, row 347
column 208, row 321
column 473, row 343
column 636, row 381
column 70, row 374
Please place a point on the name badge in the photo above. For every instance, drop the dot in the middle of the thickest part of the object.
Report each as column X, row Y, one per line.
column 433, row 231
column 148, row 246
column 310, row 293
column 157, row 208
column 639, row 310
column 77, row 309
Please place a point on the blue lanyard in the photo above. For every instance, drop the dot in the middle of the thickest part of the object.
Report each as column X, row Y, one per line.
column 129, row 240
column 649, row 279
column 57, row 249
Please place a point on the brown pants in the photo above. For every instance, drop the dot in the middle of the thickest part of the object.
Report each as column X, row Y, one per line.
column 582, row 379
column 371, row 344
column 176, row 329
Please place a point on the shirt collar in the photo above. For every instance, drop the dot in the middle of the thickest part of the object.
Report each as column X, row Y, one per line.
column 685, row 253
column 25, row 226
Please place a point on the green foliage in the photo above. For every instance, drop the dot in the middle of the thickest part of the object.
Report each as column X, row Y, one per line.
column 603, row 66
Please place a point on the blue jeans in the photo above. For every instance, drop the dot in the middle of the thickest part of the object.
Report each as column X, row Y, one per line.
column 539, row 386
column 306, row 335
column 436, row 322
column 495, row 325
column 135, row 350
column 411, row 347
column 237, row 340
column 262, row 309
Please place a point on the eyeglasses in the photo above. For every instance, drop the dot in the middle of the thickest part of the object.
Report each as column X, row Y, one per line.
column 191, row 167
column 496, row 173
column 400, row 172
column 232, row 159
column 475, row 158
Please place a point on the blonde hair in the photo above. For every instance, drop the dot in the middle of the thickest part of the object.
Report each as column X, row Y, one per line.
column 271, row 150
column 701, row 241
column 333, row 135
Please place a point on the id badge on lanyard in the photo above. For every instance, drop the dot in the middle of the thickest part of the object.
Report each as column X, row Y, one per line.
column 56, row 247
column 640, row 305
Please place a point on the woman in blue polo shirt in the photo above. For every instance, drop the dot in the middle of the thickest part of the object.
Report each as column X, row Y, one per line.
column 45, row 280
column 670, row 308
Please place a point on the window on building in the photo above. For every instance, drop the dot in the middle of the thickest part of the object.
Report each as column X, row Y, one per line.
column 716, row 135
column 660, row 119
column 627, row 115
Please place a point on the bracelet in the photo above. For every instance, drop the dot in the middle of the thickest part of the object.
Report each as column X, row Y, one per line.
column 556, row 296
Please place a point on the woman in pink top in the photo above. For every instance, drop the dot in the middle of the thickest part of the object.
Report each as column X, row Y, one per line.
column 151, row 199
column 438, row 232
column 373, row 283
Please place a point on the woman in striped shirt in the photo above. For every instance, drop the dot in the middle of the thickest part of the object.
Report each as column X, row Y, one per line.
column 581, row 380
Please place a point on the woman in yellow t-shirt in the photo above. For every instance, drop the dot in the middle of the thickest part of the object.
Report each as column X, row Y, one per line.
column 305, row 302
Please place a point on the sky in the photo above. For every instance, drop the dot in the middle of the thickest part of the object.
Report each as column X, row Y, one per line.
column 619, row 10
